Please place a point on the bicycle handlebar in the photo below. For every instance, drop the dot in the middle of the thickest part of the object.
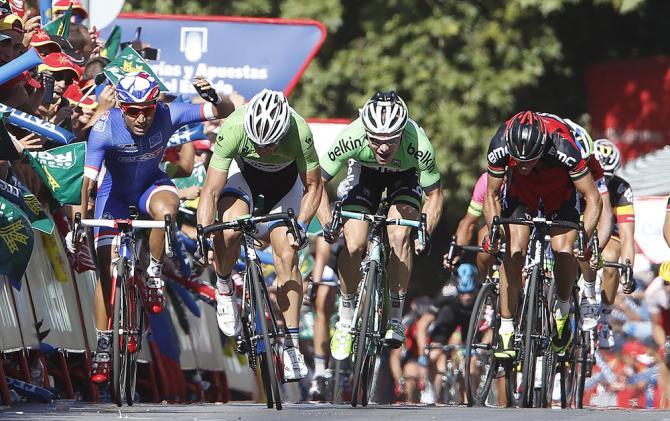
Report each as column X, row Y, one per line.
column 338, row 214
column 627, row 280
column 247, row 224
column 125, row 224
column 540, row 223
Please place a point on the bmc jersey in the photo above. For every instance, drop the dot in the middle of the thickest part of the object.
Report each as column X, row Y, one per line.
column 232, row 141
column 552, row 177
column 415, row 153
column 132, row 162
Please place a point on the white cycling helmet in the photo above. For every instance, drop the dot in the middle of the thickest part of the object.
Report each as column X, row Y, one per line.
column 384, row 114
column 608, row 155
column 267, row 117
column 584, row 141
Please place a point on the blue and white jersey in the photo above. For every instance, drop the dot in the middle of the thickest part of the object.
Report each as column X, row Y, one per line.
column 132, row 162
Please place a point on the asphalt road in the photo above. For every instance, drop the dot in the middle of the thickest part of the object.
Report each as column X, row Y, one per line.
column 64, row 410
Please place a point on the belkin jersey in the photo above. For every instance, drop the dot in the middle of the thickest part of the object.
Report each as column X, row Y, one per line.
column 132, row 161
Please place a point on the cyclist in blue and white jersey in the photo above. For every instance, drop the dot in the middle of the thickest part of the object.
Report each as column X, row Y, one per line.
column 131, row 140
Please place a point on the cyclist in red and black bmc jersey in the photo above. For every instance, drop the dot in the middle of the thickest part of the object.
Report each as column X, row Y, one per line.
column 541, row 161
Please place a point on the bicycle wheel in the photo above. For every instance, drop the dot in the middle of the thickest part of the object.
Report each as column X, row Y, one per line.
column 136, row 316
column 337, row 379
column 266, row 350
column 529, row 348
column 480, row 362
column 119, row 350
column 581, row 368
column 511, row 386
column 361, row 343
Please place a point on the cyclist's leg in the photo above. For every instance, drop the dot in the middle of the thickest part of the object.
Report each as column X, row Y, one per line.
column 404, row 194
column 289, row 283
column 517, row 238
column 323, row 305
column 157, row 201
column 235, row 200
column 107, row 207
column 444, row 326
column 565, row 273
column 609, row 287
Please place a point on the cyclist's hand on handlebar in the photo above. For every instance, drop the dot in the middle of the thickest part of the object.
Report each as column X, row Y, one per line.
column 490, row 247
column 300, row 242
column 422, row 249
column 450, row 265
column 329, row 234
column 74, row 239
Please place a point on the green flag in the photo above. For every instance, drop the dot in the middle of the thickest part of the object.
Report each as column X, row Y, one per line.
column 112, row 44
column 61, row 25
column 16, row 242
column 61, row 169
column 31, row 207
column 129, row 61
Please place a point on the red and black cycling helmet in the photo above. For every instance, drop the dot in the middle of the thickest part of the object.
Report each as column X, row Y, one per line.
column 525, row 136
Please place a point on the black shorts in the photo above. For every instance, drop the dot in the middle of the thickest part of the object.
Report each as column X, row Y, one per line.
column 448, row 318
column 273, row 186
column 512, row 207
column 365, row 186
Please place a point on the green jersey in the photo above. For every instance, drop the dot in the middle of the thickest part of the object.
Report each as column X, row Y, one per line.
column 296, row 146
column 415, row 152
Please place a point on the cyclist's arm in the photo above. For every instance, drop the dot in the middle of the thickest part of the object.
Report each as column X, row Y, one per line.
column 605, row 224
column 594, row 204
column 86, row 191
column 209, row 195
column 432, row 207
column 492, row 199
column 627, row 234
column 466, row 229
column 311, row 180
column 323, row 211
column 422, row 325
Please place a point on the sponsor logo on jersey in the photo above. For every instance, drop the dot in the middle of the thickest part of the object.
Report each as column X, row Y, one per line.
column 155, row 139
column 140, row 158
column 344, row 146
column 424, row 157
column 395, row 162
column 127, row 148
column 564, row 158
column 497, row 154
column 101, row 123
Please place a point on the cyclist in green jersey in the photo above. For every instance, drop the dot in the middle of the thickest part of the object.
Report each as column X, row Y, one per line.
column 385, row 151
column 264, row 148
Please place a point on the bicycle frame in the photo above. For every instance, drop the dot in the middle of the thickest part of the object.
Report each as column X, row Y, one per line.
column 128, row 316
column 371, row 307
column 259, row 339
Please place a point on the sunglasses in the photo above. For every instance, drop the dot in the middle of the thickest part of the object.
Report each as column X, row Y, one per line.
column 133, row 111
column 377, row 141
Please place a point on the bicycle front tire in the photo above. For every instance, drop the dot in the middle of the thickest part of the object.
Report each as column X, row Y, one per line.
column 361, row 343
column 119, row 343
column 478, row 393
column 529, row 349
column 267, row 358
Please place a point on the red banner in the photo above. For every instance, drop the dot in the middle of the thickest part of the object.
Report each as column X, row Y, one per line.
column 629, row 103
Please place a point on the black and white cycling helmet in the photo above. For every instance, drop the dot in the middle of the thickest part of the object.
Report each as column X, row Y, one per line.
column 584, row 142
column 608, row 155
column 526, row 136
column 267, row 117
column 385, row 114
